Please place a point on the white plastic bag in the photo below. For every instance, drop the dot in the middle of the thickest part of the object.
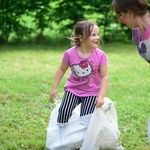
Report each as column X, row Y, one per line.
column 91, row 132
column 68, row 136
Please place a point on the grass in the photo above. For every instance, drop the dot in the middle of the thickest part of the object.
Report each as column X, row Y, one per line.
column 26, row 75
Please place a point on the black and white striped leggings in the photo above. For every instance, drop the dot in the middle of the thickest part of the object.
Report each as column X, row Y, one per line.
column 70, row 101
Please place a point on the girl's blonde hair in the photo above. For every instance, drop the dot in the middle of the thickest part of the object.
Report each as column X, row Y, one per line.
column 82, row 29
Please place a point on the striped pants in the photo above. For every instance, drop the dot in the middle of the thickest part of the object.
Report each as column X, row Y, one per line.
column 70, row 101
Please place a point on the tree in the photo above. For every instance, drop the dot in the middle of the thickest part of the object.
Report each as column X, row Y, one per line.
column 11, row 22
column 66, row 13
column 102, row 16
column 40, row 11
column 16, row 15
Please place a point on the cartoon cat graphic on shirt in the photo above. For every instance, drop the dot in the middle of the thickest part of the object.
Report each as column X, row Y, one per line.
column 83, row 70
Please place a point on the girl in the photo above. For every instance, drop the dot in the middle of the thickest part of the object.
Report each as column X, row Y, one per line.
column 135, row 15
column 88, row 80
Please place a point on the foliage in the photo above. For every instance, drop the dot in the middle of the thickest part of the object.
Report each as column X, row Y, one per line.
column 9, row 20
column 12, row 21
column 26, row 20
column 67, row 13
column 39, row 10
column 26, row 78
column 102, row 9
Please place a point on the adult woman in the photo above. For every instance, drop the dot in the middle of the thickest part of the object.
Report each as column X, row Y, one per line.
column 135, row 15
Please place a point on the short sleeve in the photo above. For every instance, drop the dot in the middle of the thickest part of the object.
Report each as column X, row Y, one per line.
column 65, row 58
column 104, row 59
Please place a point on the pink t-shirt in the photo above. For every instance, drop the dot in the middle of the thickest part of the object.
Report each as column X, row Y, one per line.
column 142, row 42
column 84, row 79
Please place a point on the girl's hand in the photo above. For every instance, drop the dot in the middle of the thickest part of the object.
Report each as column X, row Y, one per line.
column 99, row 102
column 53, row 95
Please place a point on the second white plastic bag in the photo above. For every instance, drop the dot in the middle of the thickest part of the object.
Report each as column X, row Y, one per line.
column 102, row 131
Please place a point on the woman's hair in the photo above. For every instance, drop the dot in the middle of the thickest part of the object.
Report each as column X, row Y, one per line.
column 138, row 7
column 82, row 29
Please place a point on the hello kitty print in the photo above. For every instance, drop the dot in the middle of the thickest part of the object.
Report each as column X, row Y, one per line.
column 85, row 70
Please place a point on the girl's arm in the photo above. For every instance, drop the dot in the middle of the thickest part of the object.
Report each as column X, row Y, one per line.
column 104, row 85
column 58, row 76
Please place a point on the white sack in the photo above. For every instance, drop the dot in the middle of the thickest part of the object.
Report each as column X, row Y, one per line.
column 93, row 132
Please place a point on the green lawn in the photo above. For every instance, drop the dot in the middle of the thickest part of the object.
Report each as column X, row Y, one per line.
column 26, row 75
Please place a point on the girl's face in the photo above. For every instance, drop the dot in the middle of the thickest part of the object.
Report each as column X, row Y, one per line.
column 93, row 40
